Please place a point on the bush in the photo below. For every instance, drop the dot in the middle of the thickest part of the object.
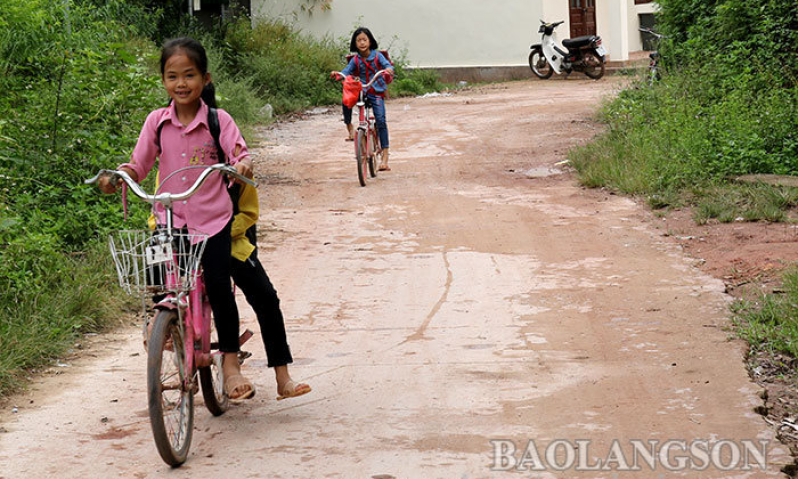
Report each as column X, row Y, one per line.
column 716, row 114
column 288, row 70
column 75, row 89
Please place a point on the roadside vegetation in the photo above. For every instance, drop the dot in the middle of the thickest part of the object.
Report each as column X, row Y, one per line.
column 772, row 323
column 726, row 106
column 77, row 79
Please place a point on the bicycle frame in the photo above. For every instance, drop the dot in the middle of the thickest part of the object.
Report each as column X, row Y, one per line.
column 366, row 121
column 653, row 65
column 192, row 307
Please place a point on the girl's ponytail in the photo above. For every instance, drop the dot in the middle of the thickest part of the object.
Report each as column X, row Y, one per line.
column 209, row 95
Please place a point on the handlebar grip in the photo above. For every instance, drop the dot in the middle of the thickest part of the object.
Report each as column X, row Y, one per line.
column 231, row 171
column 249, row 182
column 96, row 178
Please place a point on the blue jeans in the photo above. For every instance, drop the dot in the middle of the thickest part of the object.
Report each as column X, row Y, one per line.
column 377, row 104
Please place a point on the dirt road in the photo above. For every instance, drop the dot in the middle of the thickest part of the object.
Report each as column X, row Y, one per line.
column 471, row 305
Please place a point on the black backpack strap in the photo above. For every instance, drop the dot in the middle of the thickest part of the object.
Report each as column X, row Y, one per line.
column 158, row 138
column 235, row 189
column 216, row 130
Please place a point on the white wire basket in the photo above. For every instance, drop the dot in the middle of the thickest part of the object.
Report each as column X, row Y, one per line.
column 154, row 261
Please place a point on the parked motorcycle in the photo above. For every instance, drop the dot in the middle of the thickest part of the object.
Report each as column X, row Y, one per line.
column 584, row 54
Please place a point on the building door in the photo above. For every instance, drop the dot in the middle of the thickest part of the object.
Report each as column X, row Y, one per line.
column 582, row 16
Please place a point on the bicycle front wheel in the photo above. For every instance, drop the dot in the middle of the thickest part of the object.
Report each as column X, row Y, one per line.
column 361, row 155
column 373, row 156
column 170, row 398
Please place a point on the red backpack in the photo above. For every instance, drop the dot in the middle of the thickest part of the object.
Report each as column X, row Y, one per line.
column 370, row 68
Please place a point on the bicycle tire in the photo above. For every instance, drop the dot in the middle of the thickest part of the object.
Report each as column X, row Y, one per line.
column 171, row 408
column 361, row 156
column 212, row 382
column 373, row 154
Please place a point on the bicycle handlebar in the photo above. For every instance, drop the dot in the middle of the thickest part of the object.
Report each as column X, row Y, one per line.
column 167, row 199
column 646, row 30
column 369, row 84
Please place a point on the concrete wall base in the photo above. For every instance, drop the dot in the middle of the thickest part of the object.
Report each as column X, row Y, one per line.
column 481, row 74
column 497, row 74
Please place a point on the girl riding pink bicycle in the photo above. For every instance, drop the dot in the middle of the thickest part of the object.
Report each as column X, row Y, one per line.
column 180, row 136
column 366, row 62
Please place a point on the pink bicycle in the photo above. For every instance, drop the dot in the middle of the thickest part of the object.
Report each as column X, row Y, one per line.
column 181, row 348
column 367, row 144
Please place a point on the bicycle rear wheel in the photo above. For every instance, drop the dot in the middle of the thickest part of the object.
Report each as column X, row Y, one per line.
column 361, row 155
column 212, row 381
column 373, row 158
column 171, row 402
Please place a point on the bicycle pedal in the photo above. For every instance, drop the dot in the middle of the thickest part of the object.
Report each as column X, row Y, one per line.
column 243, row 355
column 245, row 336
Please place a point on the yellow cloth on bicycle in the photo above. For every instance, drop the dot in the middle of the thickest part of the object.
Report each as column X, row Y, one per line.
column 248, row 211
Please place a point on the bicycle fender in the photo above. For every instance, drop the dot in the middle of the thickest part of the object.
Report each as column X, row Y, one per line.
column 537, row 45
column 166, row 304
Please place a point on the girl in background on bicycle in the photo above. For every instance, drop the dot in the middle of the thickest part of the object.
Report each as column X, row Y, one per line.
column 365, row 63
column 181, row 131
column 249, row 275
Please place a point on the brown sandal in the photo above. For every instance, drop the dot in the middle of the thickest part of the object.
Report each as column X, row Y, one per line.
column 237, row 381
column 292, row 390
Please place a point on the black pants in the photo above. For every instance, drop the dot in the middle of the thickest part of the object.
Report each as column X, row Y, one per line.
column 250, row 276
column 347, row 114
column 217, row 269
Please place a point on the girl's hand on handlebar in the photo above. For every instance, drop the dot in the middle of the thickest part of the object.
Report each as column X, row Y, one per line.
column 109, row 183
column 244, row 168
column 336, row 76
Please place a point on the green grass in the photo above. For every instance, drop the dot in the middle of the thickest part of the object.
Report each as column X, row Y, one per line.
column 771, row 323
column 732, row 202
column 79, row 296
column 671, row 146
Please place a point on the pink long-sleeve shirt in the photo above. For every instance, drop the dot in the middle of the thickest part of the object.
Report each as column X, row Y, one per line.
column 210, row 209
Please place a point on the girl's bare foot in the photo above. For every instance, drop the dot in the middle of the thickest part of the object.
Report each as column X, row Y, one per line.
column 384, row 164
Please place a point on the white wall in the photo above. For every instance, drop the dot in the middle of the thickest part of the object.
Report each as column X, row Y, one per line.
column 436, row 33
column 459, row 33
column 635, row 40
column 612, row 25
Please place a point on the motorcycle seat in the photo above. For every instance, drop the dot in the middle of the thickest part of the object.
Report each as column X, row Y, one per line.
column 578, row 42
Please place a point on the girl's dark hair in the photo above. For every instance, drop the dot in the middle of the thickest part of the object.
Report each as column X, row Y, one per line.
column 196, row 53
column 353, row 44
